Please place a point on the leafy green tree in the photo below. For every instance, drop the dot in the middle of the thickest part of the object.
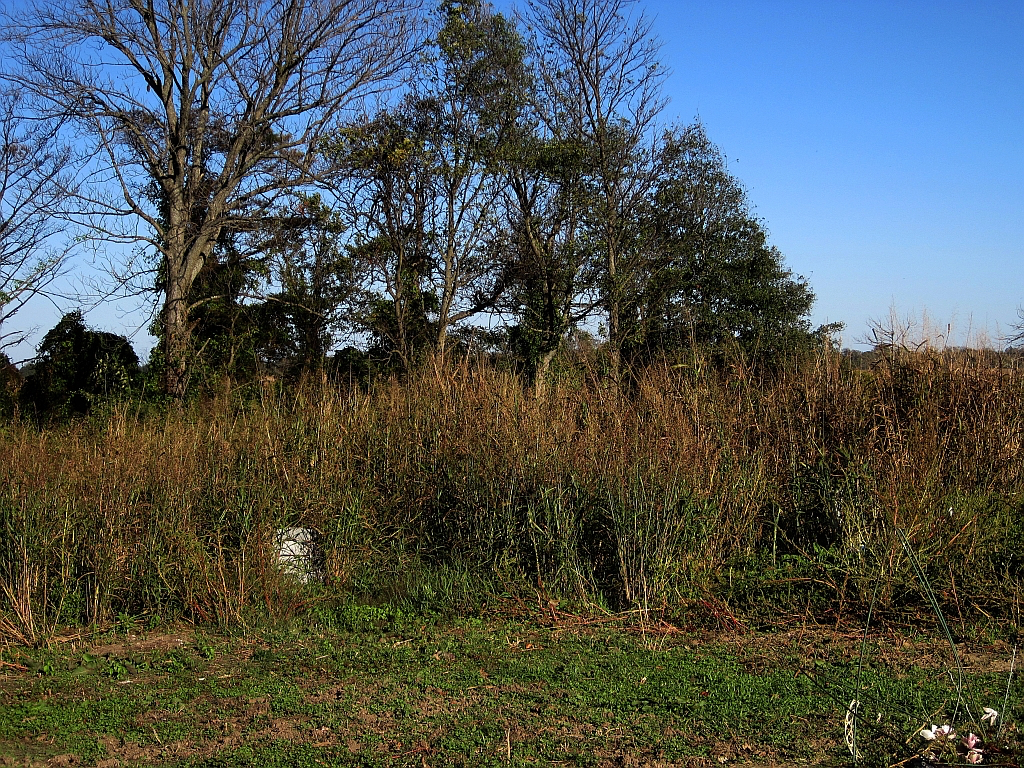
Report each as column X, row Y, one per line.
column 475, row 91
column 384, row 170
column 426, row 189
column 78, row 366
column 226, row 330
column 600, row 77
column 312, row 266
column 548, row 271
column 10, row 386
column 713, row 280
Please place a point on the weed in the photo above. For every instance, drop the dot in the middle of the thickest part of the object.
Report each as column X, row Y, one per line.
column 454, row 490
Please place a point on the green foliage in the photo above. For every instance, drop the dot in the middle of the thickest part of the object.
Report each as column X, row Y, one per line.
column 380, row 687
column 517, row 179
column 548, row 263
column 77, row 367
column 10, row 385
column 228, row 328
column 315, row 274
column 715, row 281
column 350, row 366
column 425, row 178
column 487, row 190
column 388, row 156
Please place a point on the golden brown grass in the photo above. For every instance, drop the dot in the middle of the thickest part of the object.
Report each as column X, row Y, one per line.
column 689, row 484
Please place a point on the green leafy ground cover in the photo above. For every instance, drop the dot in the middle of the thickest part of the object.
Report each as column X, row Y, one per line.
column 364, row 686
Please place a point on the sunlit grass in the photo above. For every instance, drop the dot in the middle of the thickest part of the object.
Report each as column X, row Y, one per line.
column 690, row 494
column 366, row 685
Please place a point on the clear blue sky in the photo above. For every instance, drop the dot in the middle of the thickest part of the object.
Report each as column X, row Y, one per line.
column 881, row 142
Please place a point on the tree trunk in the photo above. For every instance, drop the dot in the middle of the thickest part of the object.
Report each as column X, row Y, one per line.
column 540, row 376
column 184, row 259
column 176, row 338
column 614, row 340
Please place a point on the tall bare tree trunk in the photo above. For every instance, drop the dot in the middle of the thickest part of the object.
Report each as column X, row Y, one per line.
column 614, row 335
column 176, row 338
column 222, row 106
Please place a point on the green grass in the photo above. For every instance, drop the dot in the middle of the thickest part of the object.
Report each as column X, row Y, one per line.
column 372, row 687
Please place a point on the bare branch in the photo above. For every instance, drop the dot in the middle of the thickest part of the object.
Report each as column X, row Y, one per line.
column 33, row 184
column 200, row 114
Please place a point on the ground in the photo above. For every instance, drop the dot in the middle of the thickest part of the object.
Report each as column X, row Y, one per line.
column 365, row 686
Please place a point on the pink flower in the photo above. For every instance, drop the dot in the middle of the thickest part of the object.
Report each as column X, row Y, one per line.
column 971, row 741
column 974, row 756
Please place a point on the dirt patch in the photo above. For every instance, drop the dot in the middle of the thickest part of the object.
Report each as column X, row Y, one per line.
column 335, row 692
column 758, row 651
column 436, row 702
column 233, row 732
column 60, row 761
column 141, row 644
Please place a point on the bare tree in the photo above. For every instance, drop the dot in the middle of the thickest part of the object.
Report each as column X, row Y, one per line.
column 424, row 184
column 1016, row 338
column 32, row 189
column 549, row 275
column 600, row 87
column 201, row 113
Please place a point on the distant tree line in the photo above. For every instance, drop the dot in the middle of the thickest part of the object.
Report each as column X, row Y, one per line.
column 293, row 178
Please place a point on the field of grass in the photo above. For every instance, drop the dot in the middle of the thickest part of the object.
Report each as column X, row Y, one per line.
column 692, row 486
column 370, row 686
column 652, row 526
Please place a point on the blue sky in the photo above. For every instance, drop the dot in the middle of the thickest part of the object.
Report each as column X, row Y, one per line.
column 881, row 142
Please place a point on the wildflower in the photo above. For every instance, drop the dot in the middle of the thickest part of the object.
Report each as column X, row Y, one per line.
column 974, row 756
column 990, row 716
column 971, row 741
column 945, row 732
column 928, row 734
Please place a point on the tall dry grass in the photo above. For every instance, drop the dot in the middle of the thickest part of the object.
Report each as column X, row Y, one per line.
column 689, row 485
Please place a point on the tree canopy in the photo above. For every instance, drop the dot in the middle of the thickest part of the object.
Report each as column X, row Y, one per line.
column 77, row 365
column 304, row 176
column 199, row 115
column 713, row 280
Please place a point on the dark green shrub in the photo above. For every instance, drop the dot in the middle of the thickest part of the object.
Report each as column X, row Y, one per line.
column 76, row 367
